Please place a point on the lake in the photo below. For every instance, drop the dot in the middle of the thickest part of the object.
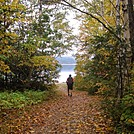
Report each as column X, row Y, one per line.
column 65, row 71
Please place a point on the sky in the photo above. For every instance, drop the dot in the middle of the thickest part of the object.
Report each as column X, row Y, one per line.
column 74, row 23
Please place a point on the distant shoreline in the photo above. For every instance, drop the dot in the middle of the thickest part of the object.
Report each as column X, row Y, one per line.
column 68, row 64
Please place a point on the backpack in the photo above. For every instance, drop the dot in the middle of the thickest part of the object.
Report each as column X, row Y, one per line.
column 70, row 80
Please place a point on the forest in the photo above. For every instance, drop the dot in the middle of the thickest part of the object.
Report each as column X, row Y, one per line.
column 35, row 32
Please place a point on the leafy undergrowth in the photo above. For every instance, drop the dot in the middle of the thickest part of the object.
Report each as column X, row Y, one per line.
column 19, row 99
column 79, row 114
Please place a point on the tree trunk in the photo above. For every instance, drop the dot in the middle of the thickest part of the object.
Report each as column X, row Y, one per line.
column 128, row 14
column 119, row 92
column 131, row 26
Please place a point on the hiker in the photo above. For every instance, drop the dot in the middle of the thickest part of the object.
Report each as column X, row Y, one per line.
column 70, row 84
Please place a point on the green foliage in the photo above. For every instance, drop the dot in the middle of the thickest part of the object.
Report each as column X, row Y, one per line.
column 93, row 90
column 80, row 83
column 21, row 99
column 9, row 100
column 111, row 109
column 122, row 114
column 98, row 68
column 127, row 116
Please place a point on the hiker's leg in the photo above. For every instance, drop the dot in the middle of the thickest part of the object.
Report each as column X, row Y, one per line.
column 71, row 89
column 68, row 91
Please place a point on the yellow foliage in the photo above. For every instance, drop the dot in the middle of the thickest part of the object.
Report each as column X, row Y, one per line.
column 46, row 61
column 31, row 48
column 15, row 2
column 4, row 49
column 102, row 87
column 2, row 0
column 4, row 68
column 4, row 41
column 131, row 121
column 91, row 26
column 13, row 35
column 103, row 52
column 40, row 62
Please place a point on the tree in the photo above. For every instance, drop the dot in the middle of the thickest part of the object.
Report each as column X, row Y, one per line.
column 11, row 12
column 29, row 57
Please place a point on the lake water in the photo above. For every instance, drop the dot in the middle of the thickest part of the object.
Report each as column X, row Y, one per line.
column 65, row 71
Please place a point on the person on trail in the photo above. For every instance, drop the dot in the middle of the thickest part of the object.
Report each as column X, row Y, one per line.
column 70, row 82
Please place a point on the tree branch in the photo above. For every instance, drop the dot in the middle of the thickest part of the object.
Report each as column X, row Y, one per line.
column 91, row 15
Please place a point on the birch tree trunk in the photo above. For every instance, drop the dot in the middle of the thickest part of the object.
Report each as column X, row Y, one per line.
column 119, row 92
column 128, row 14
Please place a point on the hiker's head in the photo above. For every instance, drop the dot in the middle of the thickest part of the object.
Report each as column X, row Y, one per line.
column 69, row 75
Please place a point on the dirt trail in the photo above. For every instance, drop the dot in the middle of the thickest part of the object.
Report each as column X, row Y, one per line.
column 79, row 114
